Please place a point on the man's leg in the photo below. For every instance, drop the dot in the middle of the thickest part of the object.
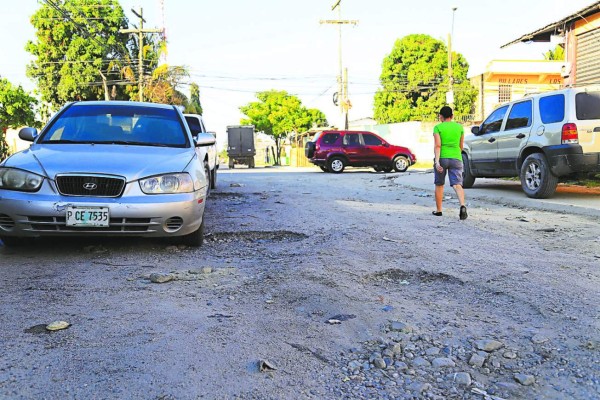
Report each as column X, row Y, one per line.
column 460, row 193
column 439, row 195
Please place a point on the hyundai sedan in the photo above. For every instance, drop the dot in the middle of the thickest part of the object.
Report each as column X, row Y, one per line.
column 106, row 169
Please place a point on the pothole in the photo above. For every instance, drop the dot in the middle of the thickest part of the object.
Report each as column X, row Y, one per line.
column 255, row 237
column 398, row 276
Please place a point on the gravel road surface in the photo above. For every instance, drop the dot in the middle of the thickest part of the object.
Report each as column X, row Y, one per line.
column 316, row 286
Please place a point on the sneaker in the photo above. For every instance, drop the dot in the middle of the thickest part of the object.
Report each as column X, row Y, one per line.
column 463, row 213
column 437, row 213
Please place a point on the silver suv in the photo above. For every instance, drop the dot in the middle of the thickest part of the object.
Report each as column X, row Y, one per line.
column 539, row 138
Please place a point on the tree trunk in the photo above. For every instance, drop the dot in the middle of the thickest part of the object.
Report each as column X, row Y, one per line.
column 278, row 151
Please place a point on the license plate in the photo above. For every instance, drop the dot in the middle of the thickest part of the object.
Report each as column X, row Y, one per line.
column 88, row 216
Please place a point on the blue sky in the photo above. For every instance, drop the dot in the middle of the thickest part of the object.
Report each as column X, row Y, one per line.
column 235, row 48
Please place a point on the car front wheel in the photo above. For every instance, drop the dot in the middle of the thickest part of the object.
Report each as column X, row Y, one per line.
column 401, row 163
column 196, row 238
column 468, row 178
column 537, row 180
column 208, row 177
column 336, row 165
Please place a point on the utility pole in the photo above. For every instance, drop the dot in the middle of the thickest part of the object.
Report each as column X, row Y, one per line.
column 342, row 94
column 140, row 32
column 450, row 94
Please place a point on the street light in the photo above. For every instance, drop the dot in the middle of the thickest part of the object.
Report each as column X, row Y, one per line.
column 450, row 94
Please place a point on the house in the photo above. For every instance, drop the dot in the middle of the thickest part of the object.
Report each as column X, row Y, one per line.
column 507, row 80
column 579, row 35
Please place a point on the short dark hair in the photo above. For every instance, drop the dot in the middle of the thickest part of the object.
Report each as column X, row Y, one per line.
column 446, row 112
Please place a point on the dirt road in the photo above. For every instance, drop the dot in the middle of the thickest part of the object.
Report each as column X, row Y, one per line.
column 314, row 286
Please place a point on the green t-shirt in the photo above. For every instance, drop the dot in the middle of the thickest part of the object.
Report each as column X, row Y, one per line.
column 450, row 133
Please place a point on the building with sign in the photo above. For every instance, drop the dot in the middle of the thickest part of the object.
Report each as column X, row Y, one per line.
column 507, row 80
column 579, row 34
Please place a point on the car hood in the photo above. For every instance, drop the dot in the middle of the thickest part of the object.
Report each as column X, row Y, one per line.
column 132, row 162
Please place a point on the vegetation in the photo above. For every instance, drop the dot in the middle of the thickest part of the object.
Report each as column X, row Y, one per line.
column 78, row 43
column 277, row 114
column 558, row 54
column 194, row 106
column 415, row 80
column 82, row 54
column 16, row 110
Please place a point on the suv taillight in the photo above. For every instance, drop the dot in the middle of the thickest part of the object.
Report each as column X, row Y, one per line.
column 569, row 134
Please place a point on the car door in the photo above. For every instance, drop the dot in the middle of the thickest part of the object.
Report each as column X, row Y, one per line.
column 484, row 146
column 514, row 136
column 374, row 149
column 353, row 148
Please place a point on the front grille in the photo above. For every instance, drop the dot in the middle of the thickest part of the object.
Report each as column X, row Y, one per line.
column 59, row 224
column 90, row 185
column 6, row 222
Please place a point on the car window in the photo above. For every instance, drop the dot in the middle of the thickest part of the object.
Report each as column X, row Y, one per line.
column 371, row 140
column 330, row 138
column 520, row 115
column 100, row 123
column 587, row 105
column 494, row 121
column 351, row 139
column 194, row 125
column 552, row 108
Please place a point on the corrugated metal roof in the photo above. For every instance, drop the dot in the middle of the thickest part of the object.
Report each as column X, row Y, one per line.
column 543, row 34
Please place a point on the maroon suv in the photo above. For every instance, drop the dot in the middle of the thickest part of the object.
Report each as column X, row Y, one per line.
column 333, row 151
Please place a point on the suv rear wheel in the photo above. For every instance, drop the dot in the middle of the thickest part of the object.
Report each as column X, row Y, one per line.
column 401, row 163
column 336, row 164
column 468, row 178
column 537, row 180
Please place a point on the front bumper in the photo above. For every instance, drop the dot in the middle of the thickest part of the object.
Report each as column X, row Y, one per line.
column 569, row 158
column 133, row 214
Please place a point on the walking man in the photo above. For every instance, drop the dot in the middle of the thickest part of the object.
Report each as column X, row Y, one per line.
column 448, row 138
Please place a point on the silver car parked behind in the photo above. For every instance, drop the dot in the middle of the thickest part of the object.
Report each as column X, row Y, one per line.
column 106, row 169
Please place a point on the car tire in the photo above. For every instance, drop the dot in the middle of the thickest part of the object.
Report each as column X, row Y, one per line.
column 11, row 241
column 196, row 238
column 537, row 181
column 323, row 168
column 231, row 166
column 213, row 179
column 401, row 163
column 336, row 165
column 309, row 150
column 208, row 177
column 468, row 178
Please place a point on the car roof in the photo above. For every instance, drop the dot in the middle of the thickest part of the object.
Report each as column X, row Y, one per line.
column 121, row 103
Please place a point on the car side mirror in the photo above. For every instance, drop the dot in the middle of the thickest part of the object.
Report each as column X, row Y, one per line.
column 386, row 144
column 204, row 139
column 475, row 130
column 28, row 134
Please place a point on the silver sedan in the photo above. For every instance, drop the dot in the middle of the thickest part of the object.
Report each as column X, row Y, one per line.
column 106, row 169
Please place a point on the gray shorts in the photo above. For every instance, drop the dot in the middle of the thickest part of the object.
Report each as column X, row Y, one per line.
column 455, row 172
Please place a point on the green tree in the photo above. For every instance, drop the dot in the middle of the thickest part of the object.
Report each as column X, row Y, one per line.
column 78, row 43
column 558, row 54
column 277, row 114
column 16, row 109
column 193, row 106
column 415, row 80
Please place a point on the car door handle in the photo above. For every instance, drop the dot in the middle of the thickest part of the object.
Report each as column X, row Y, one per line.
column 491, row 140
column 520, row 136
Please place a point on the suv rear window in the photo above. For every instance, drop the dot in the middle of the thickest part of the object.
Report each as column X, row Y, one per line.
column 587, row 105
column 552, row 108
column 330, row 138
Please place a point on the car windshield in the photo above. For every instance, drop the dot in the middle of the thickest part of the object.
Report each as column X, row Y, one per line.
column 117, row 124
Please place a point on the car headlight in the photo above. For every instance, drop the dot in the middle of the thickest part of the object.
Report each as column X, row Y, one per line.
column 169, row 183
column 18, row 179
